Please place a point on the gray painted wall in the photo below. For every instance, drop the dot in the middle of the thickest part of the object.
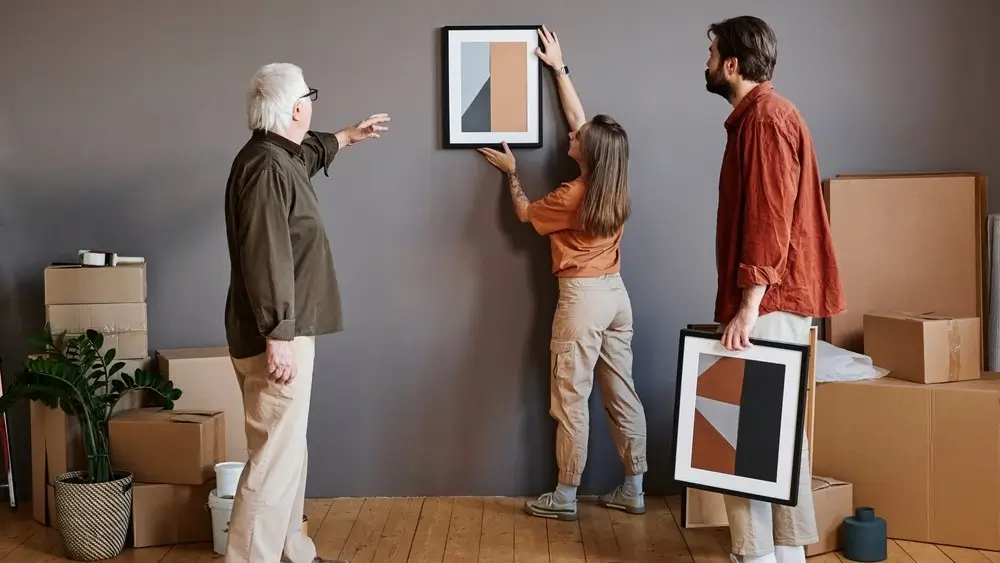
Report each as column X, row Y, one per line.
column 118, row 122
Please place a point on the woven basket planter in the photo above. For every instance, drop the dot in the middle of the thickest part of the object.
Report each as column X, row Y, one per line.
column 93, row 517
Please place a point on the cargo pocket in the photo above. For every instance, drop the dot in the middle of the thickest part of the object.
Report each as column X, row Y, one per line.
column 562, row 362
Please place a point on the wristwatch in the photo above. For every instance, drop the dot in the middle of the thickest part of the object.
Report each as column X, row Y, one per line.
column 561, row 70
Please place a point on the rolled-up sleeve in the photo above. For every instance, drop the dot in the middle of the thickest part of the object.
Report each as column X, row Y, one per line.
column 320, row 149
column 554, row 212
column 770, row 173
column 265, row 249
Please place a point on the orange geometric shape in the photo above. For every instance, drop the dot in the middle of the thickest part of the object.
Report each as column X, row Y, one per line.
column 709, row 450
column 509, row 87
column 723, row 381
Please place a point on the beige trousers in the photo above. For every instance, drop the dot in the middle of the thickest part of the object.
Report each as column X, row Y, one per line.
column 757, row 526
column 266, row 524
column 592, row 329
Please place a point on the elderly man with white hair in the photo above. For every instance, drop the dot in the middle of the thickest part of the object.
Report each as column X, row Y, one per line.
column 282, row 294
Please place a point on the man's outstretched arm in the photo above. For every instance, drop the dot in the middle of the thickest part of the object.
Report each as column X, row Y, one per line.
column 321, row 148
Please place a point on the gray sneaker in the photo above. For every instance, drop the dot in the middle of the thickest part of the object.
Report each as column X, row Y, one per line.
column 617, row 499
column 546, row 506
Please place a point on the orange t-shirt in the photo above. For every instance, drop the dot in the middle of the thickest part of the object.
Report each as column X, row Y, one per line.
column 575, row 254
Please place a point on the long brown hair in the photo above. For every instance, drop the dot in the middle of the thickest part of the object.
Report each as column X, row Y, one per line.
column 607, row 203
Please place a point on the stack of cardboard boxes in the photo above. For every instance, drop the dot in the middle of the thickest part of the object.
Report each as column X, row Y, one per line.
column 110, row 300
column 170, row 453
column 172, row 456
column 922, row 445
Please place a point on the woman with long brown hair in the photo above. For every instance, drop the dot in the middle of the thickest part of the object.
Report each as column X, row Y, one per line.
column 592, row 328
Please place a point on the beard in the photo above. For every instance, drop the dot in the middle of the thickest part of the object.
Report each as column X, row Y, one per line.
column 718, row 85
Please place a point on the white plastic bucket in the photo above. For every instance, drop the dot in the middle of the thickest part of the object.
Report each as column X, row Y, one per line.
column 227, row 476
column 222, row 509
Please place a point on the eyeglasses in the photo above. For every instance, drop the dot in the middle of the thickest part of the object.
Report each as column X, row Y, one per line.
column 313, row 94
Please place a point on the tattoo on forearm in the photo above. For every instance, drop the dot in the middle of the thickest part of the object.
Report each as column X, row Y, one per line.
column 517, row 195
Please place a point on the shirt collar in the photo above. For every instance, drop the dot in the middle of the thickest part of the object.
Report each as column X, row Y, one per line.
column 275, row 139
column 748, row 102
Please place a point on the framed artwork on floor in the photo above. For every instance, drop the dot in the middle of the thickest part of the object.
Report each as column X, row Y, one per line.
column 7, row 467
column 739, row 417
column 492, row 86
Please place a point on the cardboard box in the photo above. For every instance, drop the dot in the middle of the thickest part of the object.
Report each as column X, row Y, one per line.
column 170, row 514
column 926, row 457
column 102, row 317
column 208, row 382
column 907, row 241
column 169, row 447
column 833, row 501
column 50, row 506
column 76, row 285
column 924, row 347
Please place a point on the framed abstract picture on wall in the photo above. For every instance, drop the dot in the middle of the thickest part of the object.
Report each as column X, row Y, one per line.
column 739, row 417
column 492, row 86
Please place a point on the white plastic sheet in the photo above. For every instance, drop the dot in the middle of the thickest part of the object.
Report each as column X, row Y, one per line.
column 837, row 364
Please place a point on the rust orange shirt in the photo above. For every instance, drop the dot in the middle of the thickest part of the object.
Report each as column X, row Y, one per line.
column 772, row 225
column 575, row 254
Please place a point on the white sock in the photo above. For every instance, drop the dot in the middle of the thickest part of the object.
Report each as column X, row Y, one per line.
column 565, row 493
column 787, row 554
column 769, row 558
column 633, row 485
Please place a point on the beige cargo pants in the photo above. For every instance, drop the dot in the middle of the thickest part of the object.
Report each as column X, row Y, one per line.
column 757, row 526
column 592, row 331
column 266, row 523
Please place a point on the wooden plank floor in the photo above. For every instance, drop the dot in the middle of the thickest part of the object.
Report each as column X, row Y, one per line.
column 473, row 529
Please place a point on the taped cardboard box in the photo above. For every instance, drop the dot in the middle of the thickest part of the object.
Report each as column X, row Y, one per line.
column 926, row 457
column 76, row 285
column 833, row 500
column 170, row 514
column 924, row 347
column 208, row 381
column 174, row 447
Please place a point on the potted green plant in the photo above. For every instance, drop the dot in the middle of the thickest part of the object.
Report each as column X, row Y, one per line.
column 93, row 506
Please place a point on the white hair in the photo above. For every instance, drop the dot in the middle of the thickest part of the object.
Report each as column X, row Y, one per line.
column 272, row 94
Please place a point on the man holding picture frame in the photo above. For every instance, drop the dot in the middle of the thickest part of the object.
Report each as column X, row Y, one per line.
column 774, row 252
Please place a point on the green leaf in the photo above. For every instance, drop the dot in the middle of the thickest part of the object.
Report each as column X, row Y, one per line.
column 95, row 338
column 110, row 355
column 173, row 394
column 129, row 382
column 118, row 366
column 168, row 405
column 119, row 386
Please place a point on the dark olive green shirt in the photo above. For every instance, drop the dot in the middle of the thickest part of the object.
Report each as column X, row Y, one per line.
column 281, row 283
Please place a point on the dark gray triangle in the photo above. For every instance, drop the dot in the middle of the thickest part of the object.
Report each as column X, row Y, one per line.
column 477, row 118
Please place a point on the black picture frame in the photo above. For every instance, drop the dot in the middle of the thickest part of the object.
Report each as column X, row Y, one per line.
column 535, row 93
column 799, row 406
column 7, row 467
